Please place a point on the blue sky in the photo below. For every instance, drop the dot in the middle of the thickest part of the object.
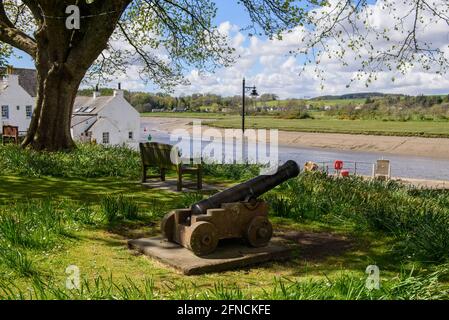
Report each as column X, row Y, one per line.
column 227, row 11
column 268, row 65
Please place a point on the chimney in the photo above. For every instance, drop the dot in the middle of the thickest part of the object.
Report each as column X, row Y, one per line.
column 10, row 77
column 119, row 91
column 96, row 92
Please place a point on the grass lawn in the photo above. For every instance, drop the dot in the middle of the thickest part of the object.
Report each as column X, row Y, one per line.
column 80, row 208
column 317, row 103
column 199, row 115
column 101, row 251
column 320, row 124
column 374, row 127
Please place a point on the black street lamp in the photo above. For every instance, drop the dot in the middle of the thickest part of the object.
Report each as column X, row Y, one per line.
column 253, row 94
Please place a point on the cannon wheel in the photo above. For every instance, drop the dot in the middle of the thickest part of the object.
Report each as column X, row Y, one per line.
column 203, row 238
column 259, row 232
column 168, row 225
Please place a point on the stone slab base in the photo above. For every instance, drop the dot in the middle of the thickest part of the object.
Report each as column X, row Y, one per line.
column 228, row 256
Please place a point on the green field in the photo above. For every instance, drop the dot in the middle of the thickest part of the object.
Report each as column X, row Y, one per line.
column 199, row 115
column 323, row 124
column 317, row 103
column 375, row 127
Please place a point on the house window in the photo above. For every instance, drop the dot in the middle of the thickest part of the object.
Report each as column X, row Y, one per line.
column 29, row 111
column 18, row 108
column 5, row 112
column 106, row 137
column 130, row 135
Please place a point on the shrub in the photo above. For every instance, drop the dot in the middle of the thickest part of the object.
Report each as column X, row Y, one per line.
column 232, row 171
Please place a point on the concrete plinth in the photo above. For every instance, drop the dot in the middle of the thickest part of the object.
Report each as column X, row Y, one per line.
column 227, row 256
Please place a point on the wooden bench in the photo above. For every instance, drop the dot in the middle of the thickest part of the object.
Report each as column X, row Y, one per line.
column 10, row 134
column 166, row 157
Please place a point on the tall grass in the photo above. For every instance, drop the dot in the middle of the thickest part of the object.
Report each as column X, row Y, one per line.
column 232, row 171
column 118, row 208
column 406, row 286
column 32, row 224
column 87, row 161
column 418, row 219
column 17, row 260
column 97, row 161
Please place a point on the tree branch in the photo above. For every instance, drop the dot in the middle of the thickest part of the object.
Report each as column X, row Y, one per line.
column 35, row 9
column 13, row 36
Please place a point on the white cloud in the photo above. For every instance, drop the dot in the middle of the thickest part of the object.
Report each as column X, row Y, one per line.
column 270, row 66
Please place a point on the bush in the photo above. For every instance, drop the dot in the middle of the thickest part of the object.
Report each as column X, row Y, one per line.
column 296, row 114
column 232, row 171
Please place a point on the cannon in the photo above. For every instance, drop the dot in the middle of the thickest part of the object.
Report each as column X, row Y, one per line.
column 233, row 213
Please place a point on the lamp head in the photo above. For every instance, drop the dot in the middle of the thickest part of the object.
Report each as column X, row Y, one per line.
column 254, row 93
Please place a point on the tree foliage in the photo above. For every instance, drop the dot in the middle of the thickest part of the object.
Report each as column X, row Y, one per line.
column 161, row 40
column 164, row 38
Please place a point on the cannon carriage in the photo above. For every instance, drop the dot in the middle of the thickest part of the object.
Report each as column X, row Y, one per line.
column 233, row 213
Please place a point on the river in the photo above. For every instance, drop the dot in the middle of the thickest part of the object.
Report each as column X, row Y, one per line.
column 359, row 162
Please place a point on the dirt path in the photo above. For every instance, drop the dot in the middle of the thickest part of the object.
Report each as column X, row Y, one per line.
column 316, row 246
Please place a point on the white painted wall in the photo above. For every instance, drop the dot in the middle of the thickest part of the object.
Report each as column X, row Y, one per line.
column 16, row 98
column 118, row 118
column 80, row 128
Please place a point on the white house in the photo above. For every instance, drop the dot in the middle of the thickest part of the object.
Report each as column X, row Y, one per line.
column 17, row 97
column 108, row 120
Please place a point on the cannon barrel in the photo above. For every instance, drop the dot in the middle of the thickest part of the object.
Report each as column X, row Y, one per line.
column 250, row 189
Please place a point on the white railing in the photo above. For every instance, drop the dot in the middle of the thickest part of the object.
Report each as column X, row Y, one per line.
column 354, row 167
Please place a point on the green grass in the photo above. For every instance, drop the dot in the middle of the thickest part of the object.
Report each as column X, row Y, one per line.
column 329, row 125
column 317, row 103
column 99, row 249
column 48, row 223
column 417, row 220
column 199, row 115
column 405, row 286
column 87, row 160
column 322, row 123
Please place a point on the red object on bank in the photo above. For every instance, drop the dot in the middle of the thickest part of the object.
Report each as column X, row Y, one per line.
column 344, row 173
column 338, row 165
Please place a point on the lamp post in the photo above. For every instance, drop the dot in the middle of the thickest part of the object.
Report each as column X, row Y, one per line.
column 253, row 95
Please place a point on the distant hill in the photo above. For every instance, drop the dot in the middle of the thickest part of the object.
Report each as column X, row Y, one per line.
column 362, row 95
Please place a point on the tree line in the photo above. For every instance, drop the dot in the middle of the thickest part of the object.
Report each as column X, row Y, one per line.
column 147, row 102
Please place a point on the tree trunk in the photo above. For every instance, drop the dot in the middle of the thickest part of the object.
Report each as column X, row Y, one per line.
column 50, row 126
column 62, row 59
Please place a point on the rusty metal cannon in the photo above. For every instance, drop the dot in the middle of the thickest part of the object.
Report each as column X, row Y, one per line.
column 233, row 213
